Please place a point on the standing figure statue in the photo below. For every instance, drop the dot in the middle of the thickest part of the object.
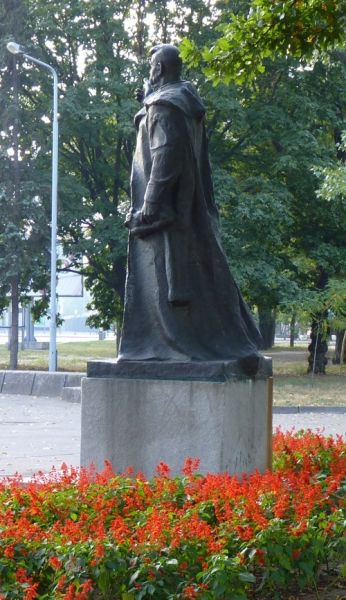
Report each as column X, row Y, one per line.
column 181, row 301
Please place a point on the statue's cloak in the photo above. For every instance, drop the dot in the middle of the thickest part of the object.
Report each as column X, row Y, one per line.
column 181, row 301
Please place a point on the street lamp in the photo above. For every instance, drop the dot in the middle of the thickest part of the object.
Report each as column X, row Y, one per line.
column 17, row 49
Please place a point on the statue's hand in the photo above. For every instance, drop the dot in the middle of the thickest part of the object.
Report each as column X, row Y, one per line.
column 139, row 95
column 148, row 213
column 128, row 218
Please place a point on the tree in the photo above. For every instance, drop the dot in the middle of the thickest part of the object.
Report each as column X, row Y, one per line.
column 24, row 235
column 284, row 121
column 256, row 31
column 96, row 137
column 333, row 191
column 264, row 141
column 276, row 231
column 96, row 126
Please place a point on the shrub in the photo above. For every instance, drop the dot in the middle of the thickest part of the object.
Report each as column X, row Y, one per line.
column 77, row 534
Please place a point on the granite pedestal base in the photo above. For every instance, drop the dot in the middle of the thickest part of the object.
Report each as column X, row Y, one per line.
column 140, row 422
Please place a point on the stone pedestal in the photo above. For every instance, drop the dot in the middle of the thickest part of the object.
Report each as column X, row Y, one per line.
column 225, row 419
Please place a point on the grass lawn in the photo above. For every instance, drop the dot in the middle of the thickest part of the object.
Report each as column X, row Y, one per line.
column 292, row 386
column 72, row 356
column 323, row 390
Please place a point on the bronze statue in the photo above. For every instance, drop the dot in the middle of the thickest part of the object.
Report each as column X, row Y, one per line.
column 181, row 301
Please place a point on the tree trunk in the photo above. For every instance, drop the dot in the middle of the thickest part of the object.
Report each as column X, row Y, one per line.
column 341, row 155
column 338, row 346
column 14, row 324
column 318, row 347
column 267, row 319
column 118, row 335
column 292, row 330
column 140, row 30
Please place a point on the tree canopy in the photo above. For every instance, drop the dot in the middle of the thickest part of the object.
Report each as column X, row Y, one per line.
column 24, row 189
column 275, row 140
column 251, row 32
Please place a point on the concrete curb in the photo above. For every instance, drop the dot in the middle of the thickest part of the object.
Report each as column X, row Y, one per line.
column 38, row 383
column 67, row 386
column 308, row 409
column 72, row 394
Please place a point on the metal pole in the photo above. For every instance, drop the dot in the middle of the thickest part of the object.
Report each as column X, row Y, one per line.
column 53, row 363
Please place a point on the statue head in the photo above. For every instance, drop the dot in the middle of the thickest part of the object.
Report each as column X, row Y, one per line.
column 165, row 64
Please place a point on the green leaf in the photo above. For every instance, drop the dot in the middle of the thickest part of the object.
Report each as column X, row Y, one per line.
column 247, row 577
column 134, row 576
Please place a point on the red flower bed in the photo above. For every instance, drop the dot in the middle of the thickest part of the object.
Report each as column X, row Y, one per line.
column 80, row 535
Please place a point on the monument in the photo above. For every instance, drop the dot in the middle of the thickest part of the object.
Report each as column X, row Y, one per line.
column 189, row 380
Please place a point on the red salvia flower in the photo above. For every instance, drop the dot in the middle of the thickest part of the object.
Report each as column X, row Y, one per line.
column 163, row 470
column 31, row 592
column 190, row 466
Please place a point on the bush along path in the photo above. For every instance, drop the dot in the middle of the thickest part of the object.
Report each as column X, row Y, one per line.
column 77, row 534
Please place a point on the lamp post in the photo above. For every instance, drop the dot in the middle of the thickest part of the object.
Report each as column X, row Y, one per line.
column 17, row 49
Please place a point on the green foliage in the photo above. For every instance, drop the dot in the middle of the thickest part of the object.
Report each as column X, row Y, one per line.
column 24, row 227
column 276, row 230
column 91, row 50
column 100, row 53
column 330, row 301
column 333, row 180
column 106, row 308
column 81, row 534
column 257, row 31
column 23, row 245
column 269, row 142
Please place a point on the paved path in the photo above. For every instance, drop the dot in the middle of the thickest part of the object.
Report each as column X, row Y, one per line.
column 330, row 422
column 39, row 432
